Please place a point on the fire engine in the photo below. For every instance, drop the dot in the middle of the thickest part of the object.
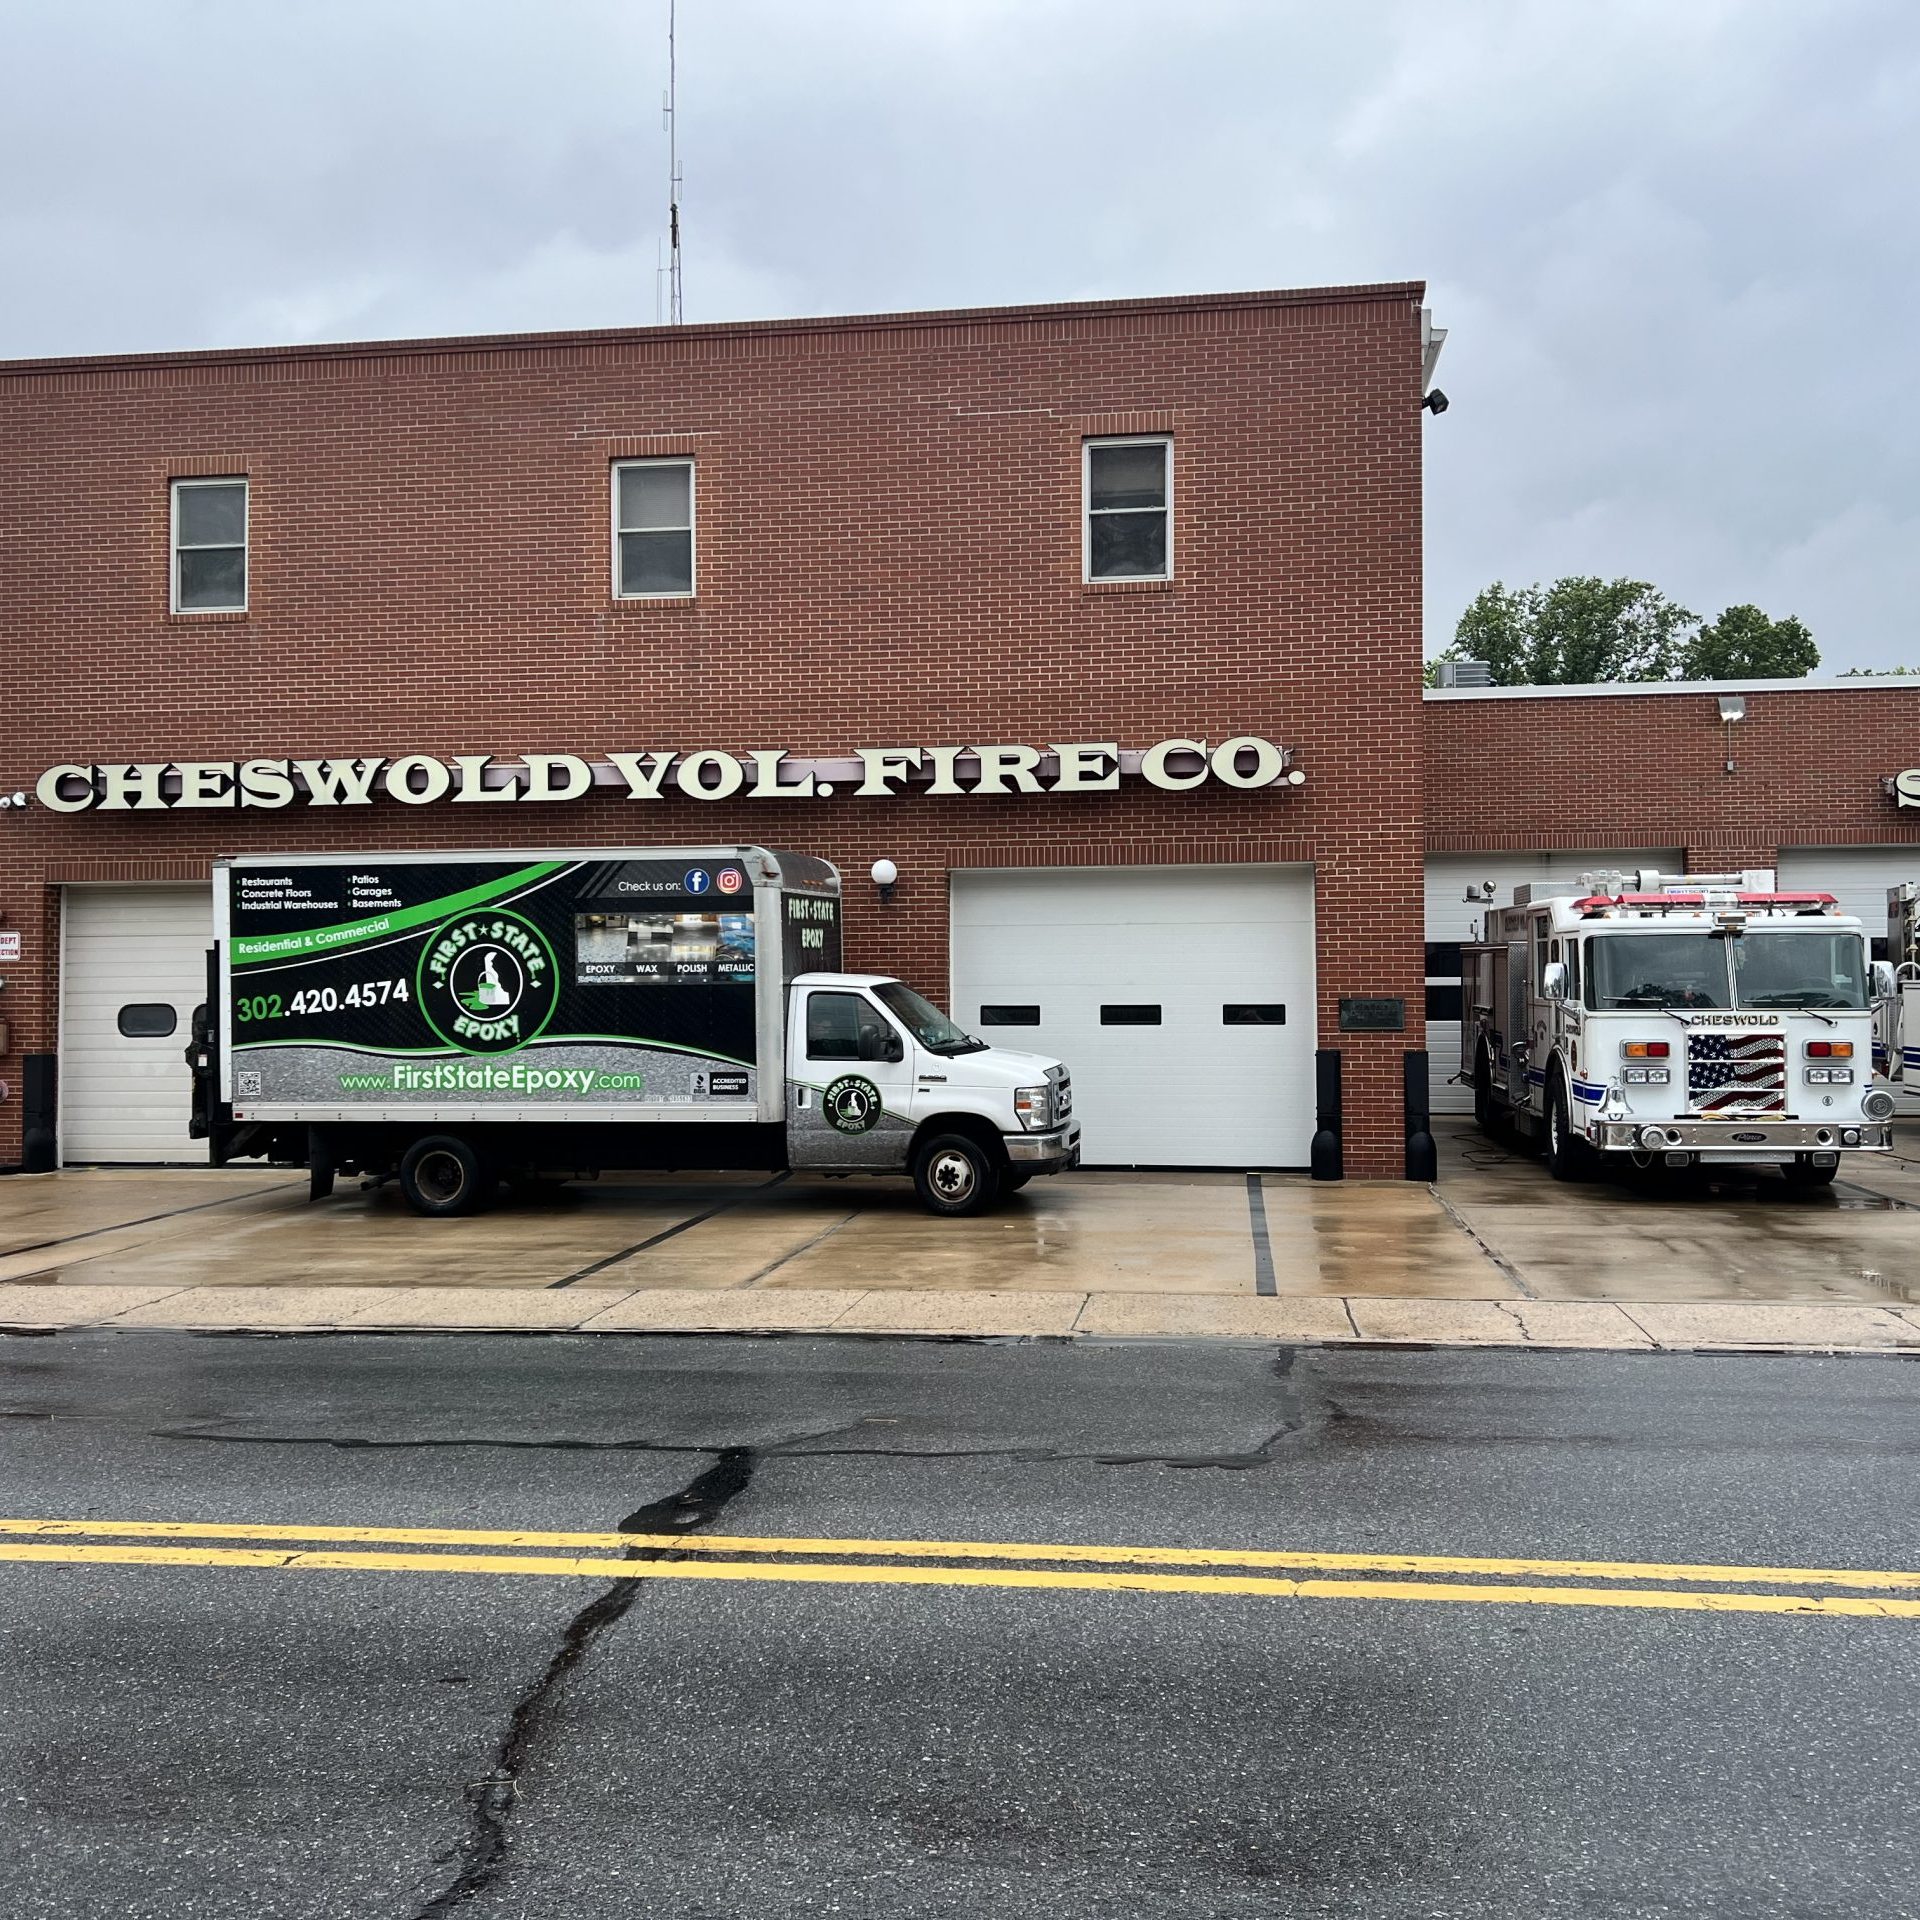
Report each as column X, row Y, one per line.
column 1677, row 1020
column 1896, row 1039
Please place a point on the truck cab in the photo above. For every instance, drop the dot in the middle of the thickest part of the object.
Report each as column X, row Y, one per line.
column 1693, row 1020
column 879, row 1080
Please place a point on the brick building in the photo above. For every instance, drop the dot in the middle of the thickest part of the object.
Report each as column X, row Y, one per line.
column 1105, row 526
column 708, row 567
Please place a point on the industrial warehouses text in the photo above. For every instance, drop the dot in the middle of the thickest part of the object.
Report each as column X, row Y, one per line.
column 418, row 779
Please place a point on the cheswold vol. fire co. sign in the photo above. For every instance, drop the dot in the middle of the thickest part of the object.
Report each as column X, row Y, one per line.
column 1245, row 761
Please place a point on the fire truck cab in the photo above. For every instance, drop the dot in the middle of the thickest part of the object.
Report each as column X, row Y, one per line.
column 1676, row 1020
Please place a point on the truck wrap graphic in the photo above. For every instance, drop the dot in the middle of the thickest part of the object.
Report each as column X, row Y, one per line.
column 384, row 983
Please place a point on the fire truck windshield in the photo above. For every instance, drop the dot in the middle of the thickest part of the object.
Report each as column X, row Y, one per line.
column 1657, row 970
column 1800, row 970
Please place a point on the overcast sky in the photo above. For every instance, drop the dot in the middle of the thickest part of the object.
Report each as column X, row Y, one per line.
column 1674, row 243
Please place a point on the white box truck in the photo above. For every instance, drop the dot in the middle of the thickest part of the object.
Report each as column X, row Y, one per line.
column 452, row 1019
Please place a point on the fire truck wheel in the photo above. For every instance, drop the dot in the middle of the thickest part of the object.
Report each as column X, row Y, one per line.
column 441, row 1175
column 1568, row 1158
column 1803, row 1175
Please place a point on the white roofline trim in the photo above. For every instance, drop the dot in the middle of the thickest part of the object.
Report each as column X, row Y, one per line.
column 1661, row 689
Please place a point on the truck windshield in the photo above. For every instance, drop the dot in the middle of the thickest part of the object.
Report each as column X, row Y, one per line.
column 925, row 1021
column 1657, row 970
column 1800, row 970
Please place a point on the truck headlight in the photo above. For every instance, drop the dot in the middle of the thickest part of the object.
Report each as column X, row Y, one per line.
column 1031, row 1108
column 1645, row 1076
column 1830, row 1076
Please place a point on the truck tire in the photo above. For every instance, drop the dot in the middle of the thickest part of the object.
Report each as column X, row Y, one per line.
column 1803, row 1177
column 441, row 1175
column 954, row 1175
column 1568, row 1157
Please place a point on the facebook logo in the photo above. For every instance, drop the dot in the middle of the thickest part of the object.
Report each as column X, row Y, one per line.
column 699, row 880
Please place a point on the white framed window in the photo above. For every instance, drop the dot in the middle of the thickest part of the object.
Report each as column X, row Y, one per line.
column 1128, row 489
column 209, row 541
column 652, row 529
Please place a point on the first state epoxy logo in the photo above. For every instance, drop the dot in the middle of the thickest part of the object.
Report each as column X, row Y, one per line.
column 852, row 1104
column 487, row 982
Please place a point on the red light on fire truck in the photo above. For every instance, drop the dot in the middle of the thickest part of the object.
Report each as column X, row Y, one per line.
column 1829, row 1049
column 1645, row 1050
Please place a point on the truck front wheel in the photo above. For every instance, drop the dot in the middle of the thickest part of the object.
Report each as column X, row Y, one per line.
column 441, row 1175
column 954, row 1175
column 1568, row 1156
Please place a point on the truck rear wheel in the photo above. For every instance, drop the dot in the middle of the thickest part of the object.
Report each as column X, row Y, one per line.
column 954, row 1175
column 440, row 1175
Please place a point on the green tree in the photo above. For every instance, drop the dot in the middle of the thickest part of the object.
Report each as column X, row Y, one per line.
column 1578, row 631
column 1743, row 644
column 1852, row 673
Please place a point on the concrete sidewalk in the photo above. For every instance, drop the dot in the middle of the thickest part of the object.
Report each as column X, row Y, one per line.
column 1305, row 1318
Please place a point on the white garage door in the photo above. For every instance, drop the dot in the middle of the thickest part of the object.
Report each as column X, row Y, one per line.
column 1181, row 999
column 1859, row 876
column 1451, row 918
column 133, row 968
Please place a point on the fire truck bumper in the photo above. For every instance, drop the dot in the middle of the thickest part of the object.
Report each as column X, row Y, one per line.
column 1738, row 1140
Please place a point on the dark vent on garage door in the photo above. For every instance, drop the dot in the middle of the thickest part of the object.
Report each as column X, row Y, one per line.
column 1253, row 1013
column 1130, row 1014
column 147, row 1020
column 1010, row 1016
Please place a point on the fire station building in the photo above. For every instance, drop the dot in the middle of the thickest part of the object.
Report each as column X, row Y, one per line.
column 1100, row 623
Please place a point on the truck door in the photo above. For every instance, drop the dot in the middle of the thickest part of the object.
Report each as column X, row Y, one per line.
column 849, row 1083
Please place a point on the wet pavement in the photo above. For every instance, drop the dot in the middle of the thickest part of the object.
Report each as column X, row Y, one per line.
column 1514, row 1252
column 1586, row 1661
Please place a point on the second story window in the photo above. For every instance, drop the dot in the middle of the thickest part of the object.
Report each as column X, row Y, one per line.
column 652, row 529
column 209, row 546
column 1129, row 493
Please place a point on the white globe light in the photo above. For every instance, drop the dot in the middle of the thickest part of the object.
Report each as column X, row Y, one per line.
column 885, row 873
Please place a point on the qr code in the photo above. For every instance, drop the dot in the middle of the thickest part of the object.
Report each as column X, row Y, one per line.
column 246, row 1086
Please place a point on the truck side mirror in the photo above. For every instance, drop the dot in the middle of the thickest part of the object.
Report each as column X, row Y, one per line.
column 1553, row 983
column 881, row 1044
column 1885, row 984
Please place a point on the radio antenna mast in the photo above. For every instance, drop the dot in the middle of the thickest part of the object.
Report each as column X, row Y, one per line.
column 676, row 311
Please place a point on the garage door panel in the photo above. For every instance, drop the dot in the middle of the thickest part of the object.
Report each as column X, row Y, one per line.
column 125, row 1098
column 1191, row 1090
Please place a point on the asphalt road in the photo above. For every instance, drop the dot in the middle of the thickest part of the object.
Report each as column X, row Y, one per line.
column 212, row 1739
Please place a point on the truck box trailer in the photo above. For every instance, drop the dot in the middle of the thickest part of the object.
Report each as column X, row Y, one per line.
column 452, row 1019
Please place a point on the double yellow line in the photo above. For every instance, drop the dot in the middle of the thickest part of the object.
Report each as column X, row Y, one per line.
column 1256, row 1572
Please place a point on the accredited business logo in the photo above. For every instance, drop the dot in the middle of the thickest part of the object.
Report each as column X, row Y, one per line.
column 487, row 982
column 852, row 1104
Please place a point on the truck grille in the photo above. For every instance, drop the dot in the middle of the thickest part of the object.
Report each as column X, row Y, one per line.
column 1063, row 1095
column 1737, row 1072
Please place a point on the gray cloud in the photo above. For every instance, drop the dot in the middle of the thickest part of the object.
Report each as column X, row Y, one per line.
column 1672, row 244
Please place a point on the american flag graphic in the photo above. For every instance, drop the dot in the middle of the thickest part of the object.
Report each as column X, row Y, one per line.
column 1737, row 1072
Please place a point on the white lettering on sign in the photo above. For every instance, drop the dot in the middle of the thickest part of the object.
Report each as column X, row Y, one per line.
column 1244, row 761
column 1906, row 788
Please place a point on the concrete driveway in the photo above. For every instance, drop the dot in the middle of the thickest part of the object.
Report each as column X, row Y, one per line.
column 1496, row 1252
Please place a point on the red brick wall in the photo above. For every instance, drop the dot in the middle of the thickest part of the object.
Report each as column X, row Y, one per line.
column 889, row 554
column 1649, row 769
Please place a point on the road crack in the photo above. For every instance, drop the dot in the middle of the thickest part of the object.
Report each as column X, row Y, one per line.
column 483, row 1848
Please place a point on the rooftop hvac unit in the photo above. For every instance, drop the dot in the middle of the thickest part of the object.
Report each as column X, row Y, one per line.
column 1465, row 673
